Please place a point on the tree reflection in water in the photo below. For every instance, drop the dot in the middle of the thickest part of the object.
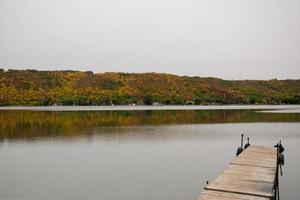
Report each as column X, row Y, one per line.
column 42, row 124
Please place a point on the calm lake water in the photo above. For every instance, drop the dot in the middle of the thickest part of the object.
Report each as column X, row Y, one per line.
column 133, row 154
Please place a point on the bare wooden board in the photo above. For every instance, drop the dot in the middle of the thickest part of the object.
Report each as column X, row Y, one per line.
column 250, row 176
column 257, row 156
column 216, row 195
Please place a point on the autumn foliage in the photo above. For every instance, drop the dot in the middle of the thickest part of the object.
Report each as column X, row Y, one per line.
column 32, row 87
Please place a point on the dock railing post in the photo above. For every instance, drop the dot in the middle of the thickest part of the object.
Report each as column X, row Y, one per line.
column 276, row 175
column 276, row 182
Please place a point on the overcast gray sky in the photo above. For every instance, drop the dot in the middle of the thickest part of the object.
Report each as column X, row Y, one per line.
column 230, row 39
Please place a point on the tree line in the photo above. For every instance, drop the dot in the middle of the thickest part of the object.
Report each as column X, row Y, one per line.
column 33, row 87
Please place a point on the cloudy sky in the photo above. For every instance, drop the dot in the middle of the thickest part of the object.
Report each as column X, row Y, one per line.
column 230, row 39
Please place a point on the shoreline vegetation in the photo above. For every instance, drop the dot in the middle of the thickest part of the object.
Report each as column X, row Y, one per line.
column 57, row 88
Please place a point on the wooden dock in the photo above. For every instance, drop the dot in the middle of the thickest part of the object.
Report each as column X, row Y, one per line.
column 250, row 176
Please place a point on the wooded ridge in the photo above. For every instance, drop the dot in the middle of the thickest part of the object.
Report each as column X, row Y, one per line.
column 32, row 87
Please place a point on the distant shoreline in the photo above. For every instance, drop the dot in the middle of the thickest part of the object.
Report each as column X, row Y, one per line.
column 262, row 108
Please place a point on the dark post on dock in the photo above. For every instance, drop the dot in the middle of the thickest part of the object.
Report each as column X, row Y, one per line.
column 253, row 174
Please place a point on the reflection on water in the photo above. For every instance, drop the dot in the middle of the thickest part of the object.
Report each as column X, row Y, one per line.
column 41, row 124
column 133, row 155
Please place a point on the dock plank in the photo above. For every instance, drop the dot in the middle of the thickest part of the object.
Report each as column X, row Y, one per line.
column 250, row 176
column 216, row 195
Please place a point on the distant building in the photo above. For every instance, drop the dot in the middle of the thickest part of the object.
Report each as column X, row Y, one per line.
column 155, row 104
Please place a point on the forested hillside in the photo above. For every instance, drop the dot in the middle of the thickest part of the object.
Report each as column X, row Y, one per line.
column 32, row 87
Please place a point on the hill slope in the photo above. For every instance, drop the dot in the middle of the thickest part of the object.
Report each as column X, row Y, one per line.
column 32, row 87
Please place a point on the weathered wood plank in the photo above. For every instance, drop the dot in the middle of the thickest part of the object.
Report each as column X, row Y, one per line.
column 216, row 195
column 249, row 176
column 257, row 156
